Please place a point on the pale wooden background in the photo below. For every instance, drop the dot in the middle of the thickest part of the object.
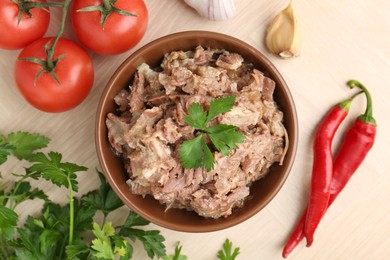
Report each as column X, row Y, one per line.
column 346, row 39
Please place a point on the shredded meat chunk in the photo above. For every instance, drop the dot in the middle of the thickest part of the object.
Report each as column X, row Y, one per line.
column 231, row 61
column 136, row 97
column 150, row 127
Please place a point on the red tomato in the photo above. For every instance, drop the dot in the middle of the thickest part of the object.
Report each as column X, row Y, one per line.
column 15, row 36
column 74, row 72
column 120, row 32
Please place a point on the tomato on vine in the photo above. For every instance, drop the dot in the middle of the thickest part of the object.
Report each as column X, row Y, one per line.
column 109, row 26
column 54, row 86
column 21, row 23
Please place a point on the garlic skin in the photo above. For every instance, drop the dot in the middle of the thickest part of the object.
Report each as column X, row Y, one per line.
column 284, row 34
column 214, row 9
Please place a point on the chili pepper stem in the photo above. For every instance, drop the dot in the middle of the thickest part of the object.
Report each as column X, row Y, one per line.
column 346, row 104
column 367, row 117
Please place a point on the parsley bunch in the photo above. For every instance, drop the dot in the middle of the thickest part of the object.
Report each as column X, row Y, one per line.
column 59, row 231
column 196, row 153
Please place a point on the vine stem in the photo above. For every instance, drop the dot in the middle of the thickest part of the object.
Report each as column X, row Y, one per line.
column 50, row 51
column 30, row 5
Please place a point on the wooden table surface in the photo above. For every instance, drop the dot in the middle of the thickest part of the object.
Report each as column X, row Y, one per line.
column 343, row 40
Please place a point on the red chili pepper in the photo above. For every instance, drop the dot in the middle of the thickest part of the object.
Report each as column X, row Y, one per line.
column 322, row 168
column 336, row 115
column 357, row 142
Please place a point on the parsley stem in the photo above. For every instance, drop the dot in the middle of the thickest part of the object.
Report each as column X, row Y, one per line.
column 13, row 203
column 104, row 218
column 71, row 211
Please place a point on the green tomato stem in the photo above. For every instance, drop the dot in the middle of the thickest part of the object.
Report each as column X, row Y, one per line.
column 50, row 51
column 107, row 5
column 25, row 6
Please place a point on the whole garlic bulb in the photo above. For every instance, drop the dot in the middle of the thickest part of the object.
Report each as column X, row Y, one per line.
column 284, row 34
column 214, row 9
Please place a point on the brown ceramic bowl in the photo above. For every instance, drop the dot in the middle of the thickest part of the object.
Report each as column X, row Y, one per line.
column 261, row 192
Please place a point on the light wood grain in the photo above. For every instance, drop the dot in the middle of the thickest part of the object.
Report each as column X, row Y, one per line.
column 342, row 40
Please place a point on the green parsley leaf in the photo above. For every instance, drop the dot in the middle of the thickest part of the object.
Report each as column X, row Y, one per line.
column 104, row 199
column 196, row 116
column 220, row 106
column 7, row 245
column 75, row 250
column 36, row 242
column 177, row 255
column 191, row 152
column 107, row 230
column 8, row 217
column 55, row 216
column 134, row 220
column 3, row 195
column 224, row 137
column 108, row 245
column 83, row 218
column 120, row 246
column 208, row 159
column 49, row 242
column 25, row 143
column 23, row 254
column 5, row 149
column 52, row 169
column 23, row 192
column 27, row 248
column 128, row 252
column 226, row 253
column 8, row 220
column 195, row 153
column 102, row 244
column 152, row 240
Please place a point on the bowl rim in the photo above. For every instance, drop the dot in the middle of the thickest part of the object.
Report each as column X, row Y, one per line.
column 100, row 119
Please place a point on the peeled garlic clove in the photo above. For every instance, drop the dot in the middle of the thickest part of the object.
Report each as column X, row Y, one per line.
column 284, row 35
column 214, row 9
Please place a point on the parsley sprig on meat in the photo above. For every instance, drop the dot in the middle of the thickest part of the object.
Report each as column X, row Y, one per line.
column 196, row 152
